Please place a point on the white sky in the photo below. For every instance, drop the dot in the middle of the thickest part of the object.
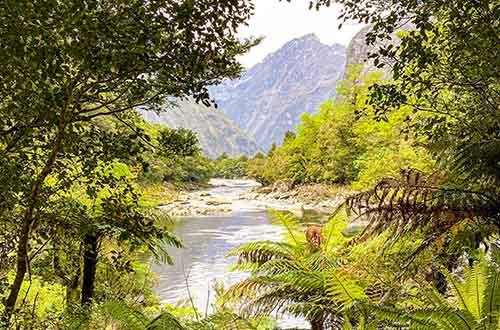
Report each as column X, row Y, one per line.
column 279, row 22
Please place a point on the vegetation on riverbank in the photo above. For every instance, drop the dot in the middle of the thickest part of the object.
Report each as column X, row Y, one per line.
column 342, row 146
column 80, row 171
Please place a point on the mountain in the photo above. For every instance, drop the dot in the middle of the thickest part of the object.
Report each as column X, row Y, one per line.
column 358, row 50
column 269, row 98
column 216, row 132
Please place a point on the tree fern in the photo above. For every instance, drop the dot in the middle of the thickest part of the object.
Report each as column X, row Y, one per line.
column 415, row 201
column 473, row 304
column 294, row 276
column 343, row 290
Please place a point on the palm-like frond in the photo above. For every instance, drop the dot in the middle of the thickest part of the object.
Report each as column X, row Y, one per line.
column 294, row 277
column 344, row 290
column 473, row 304
column 220, row 321
column 130, row 318
column 157, row 244
column 165, row 321
column 263, row 251
column 290, row 222
column 416, row 201
column 491, row 302
column 127, row 317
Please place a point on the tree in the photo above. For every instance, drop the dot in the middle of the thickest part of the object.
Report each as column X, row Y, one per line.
column 64, row 65
column 179, row 142
column 300, row 276
column 442, row 71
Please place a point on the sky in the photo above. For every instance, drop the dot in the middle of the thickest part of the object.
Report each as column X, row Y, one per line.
column 280, row 22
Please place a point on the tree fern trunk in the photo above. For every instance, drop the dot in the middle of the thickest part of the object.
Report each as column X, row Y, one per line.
column 317, row 324
column 89, row 268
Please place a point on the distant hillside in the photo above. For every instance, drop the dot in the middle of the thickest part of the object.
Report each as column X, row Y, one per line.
column 269, row 98
column 217, row 133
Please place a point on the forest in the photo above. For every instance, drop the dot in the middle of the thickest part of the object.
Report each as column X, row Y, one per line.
column 415, row 142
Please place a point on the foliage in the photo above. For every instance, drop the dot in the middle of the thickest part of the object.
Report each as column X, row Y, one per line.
column 473, row 303
column 173, row 157
column 177, row 142
column 416, row 202
column 230, row 168
column 296, row 277
column 343, row 143
column 72, row 75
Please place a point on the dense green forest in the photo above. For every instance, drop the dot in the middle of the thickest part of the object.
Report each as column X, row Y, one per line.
column 81, row 172
column 339, row 145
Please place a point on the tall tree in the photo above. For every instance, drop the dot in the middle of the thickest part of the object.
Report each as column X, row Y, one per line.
column 66, row 64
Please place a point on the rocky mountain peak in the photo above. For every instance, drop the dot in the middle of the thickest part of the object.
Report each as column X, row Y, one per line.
column 268, row 100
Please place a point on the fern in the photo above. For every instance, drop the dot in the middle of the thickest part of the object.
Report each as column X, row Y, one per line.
column 473, row 305
column 419, row 202
column 491, row 303
column 343, row 290
column 127, row 317
column 291, row 223
column 165, row 321
column 291, row 277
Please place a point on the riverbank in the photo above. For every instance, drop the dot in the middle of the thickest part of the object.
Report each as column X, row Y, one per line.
column 315, row 197
column 228, row 196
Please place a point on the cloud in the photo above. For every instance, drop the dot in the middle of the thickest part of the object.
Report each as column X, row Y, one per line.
column 279, row 22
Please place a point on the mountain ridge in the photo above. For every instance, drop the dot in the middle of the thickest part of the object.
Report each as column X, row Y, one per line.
column 269, row 98
column 217, row 133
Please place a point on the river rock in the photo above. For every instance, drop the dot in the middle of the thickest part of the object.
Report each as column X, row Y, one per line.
column 217, row 202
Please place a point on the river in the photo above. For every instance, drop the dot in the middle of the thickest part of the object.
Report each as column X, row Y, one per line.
column 208, row 239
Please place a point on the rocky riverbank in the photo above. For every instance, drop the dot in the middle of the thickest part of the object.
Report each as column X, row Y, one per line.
column 227, row 196
column 316, row 197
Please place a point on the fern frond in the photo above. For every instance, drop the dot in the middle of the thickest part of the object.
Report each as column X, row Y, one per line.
column 164, row 321
column 475, row 286
column 415, row 201
column 157, row 247
column 221, row 321
column 447, row 318
column 279, row 266
column 343, row 290
column 249, row 288
column 276, row 299
column 302, row 281
column 491, row 303
column 291, row 223
column 399, row 318
column 263, row 251
column 458, row 292
column 124, row 315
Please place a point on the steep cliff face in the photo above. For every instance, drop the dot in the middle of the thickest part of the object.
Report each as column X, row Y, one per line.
column 269, row 98
column 217, row 133
column 358, row 51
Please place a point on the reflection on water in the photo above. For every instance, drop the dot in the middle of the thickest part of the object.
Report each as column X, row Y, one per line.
column 207, row 241
column 203, row 261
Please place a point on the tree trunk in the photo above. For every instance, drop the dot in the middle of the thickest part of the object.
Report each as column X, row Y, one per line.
column 21, row 268
column 317, row 323
column 72, row 294
column 28, row 220
column 89, row 268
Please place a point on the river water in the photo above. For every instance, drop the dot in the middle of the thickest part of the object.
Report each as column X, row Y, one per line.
column 207, row 240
